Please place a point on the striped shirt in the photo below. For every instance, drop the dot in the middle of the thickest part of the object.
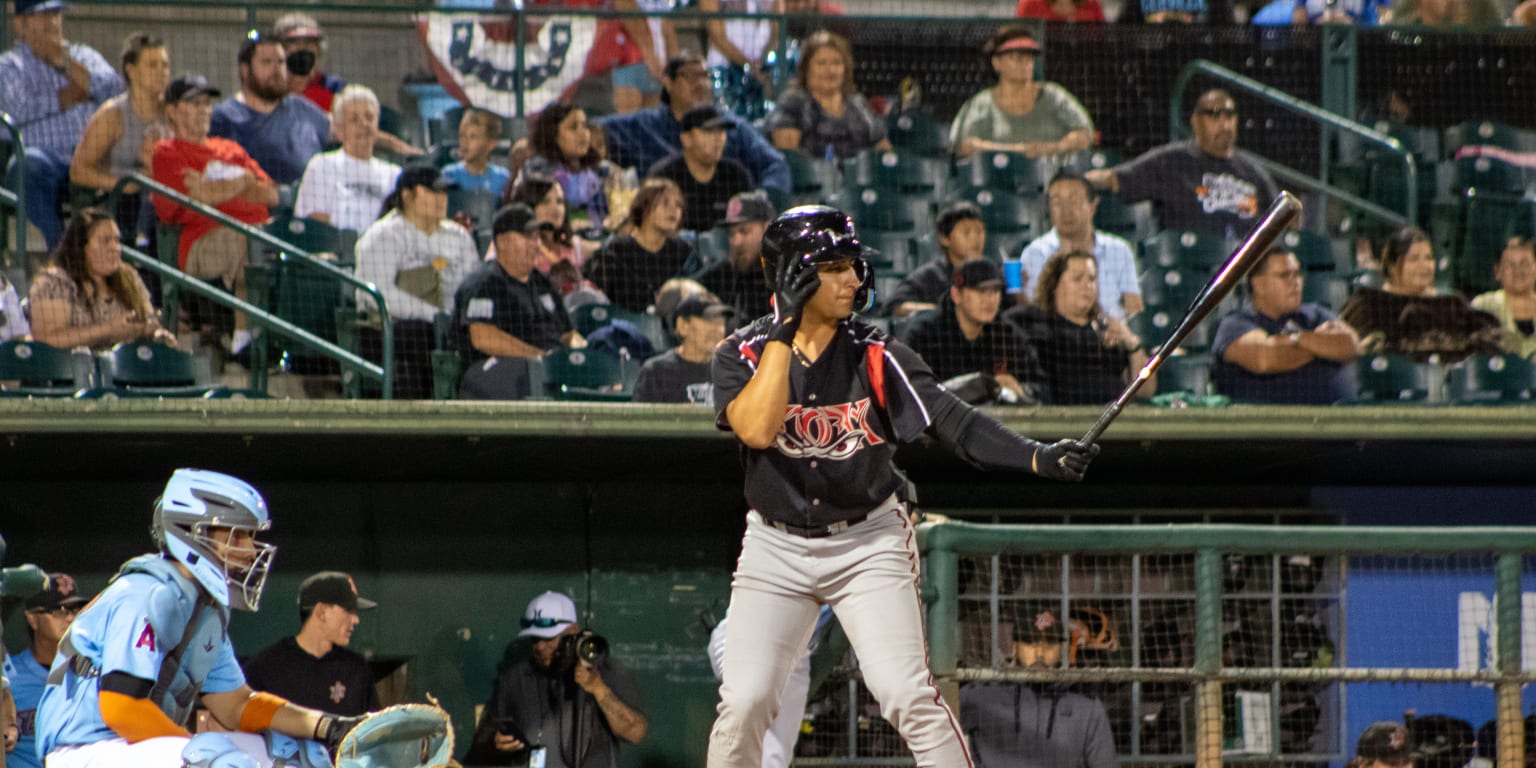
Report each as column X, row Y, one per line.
column 29, row 92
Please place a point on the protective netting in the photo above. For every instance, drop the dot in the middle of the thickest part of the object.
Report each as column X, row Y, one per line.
column 913, row 156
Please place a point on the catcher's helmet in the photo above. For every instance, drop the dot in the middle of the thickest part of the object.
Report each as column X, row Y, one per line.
column 817, row 234
column 194, row 502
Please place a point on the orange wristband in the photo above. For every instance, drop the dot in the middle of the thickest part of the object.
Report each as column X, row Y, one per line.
column 259, row 711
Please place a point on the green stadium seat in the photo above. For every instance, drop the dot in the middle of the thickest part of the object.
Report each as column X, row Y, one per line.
column 916, row 132
column 146, row 369
column 1493, row 379
column 480, row 206
column 896, row 253
column 811, row 181
column 1115, row 216
column 1489, row 174
column 1185, row 373
column 1388, row 378
column 314, row 237
column 1003, row 171
column 35, row 369
column 1314, row 251
column 1004, row 213
column 583, row 374
column 1325, row 288
column 1196, row 251
column 1487, row 133
column 883, row 209
column 896, row 170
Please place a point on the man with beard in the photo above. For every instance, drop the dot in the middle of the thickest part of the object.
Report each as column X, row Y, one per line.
column 279, row 129
column 738, row 280
column 315, row 668
column 1036, row 725
column 1205, row 185
column 553, row 710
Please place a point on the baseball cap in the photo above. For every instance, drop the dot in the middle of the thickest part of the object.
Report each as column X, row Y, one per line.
column 707, row 117
column 517, row 217
column 700, row 305
column 61, row 593
column 1038, row 626
column 24, row 7
column 296, row 25
column 421, row 175
column 1384, row 741
column 332, row 587
column 547, row 616
column 749, row 206
column 187, row 86
column 978, row 273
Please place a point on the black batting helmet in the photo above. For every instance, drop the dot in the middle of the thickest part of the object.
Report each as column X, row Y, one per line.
column 817, row 234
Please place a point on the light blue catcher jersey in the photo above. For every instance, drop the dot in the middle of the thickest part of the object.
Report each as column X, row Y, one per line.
column 27, row 680
column 133, row 627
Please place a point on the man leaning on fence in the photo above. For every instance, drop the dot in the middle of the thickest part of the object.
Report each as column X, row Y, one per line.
column 215, row 172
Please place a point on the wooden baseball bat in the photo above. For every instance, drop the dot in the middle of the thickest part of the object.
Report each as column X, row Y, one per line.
column 1276, row 220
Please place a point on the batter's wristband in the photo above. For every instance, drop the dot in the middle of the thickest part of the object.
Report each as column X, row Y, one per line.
column 259, row 711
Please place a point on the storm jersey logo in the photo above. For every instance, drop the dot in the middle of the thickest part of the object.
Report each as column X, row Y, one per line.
column 834, row 432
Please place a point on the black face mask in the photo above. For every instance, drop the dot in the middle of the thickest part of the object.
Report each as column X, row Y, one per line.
column 301, row 63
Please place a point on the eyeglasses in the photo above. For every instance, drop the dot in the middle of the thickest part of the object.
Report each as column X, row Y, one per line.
column 1218, row 113
column 58, row 610
column 541, row 622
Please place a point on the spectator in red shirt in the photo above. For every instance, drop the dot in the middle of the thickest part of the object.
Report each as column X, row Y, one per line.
column 216, row 172
column 1060, row 10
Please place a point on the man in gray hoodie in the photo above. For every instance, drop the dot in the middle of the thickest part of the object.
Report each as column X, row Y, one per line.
column 1036, row 725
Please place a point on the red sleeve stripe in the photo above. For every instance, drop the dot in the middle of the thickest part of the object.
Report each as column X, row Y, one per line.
column 874, row 361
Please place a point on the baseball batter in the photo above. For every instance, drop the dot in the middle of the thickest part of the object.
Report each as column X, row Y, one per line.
column 820, row 400
column 154, row 644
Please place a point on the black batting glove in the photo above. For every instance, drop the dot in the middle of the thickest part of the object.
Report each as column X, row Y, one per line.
column 797, row 283
column 331, row 729
column 1064, row 460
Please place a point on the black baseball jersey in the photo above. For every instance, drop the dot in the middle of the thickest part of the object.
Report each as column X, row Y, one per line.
column 848, row 411
column 339, row 682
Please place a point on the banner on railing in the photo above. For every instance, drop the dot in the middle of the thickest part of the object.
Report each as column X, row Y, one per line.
column 474, row 56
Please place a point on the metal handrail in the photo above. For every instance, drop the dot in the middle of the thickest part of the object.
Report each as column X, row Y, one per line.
column 258, row 315
column 20, row 193
column 1314, row 184
column 302, row 256
column 1279, row 98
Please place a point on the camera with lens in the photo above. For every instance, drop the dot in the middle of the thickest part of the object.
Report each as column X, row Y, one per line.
column 585, row 646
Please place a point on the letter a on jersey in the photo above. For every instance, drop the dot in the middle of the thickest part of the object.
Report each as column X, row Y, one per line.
column 146, row 638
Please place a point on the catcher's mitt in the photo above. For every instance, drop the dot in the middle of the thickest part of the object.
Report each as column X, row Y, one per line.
column 402, row 736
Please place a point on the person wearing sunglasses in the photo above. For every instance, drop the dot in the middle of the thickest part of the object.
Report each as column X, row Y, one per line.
column 1203, row 185
column 553, row 708
column 48, row 614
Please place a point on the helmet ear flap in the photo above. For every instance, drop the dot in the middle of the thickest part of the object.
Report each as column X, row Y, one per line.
column 864, row 299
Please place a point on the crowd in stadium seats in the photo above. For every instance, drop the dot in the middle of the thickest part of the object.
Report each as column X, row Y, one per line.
column 648, row 190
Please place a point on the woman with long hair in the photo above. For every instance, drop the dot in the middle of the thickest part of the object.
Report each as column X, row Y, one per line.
column 1408, row 315
column 1087, row 355
column 821, row 113
column 565, row 149
column 87, row 296
column 562, row 253
column 632, row 266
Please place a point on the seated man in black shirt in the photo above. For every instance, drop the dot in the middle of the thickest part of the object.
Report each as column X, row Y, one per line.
column 506, row 312
column 964, row 336
column 962, row 237
column 315, row 668
column 738, row 281
column 707, row 178
column 681, row 374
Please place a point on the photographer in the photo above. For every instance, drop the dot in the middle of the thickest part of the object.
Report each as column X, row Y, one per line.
column 566, row 705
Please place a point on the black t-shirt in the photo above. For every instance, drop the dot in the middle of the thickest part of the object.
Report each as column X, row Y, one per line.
column 927, row 284
column 668, row 378
column 630, row 275
column 1199, row 192
column 340, row 682
column 553, row 713
column 999, row 349
column 848, row 411
column 531, row 310
column 746, row 291
column 704, row 202
column 1079, row 369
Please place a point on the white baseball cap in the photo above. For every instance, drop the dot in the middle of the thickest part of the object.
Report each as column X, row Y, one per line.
column 547, row 615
